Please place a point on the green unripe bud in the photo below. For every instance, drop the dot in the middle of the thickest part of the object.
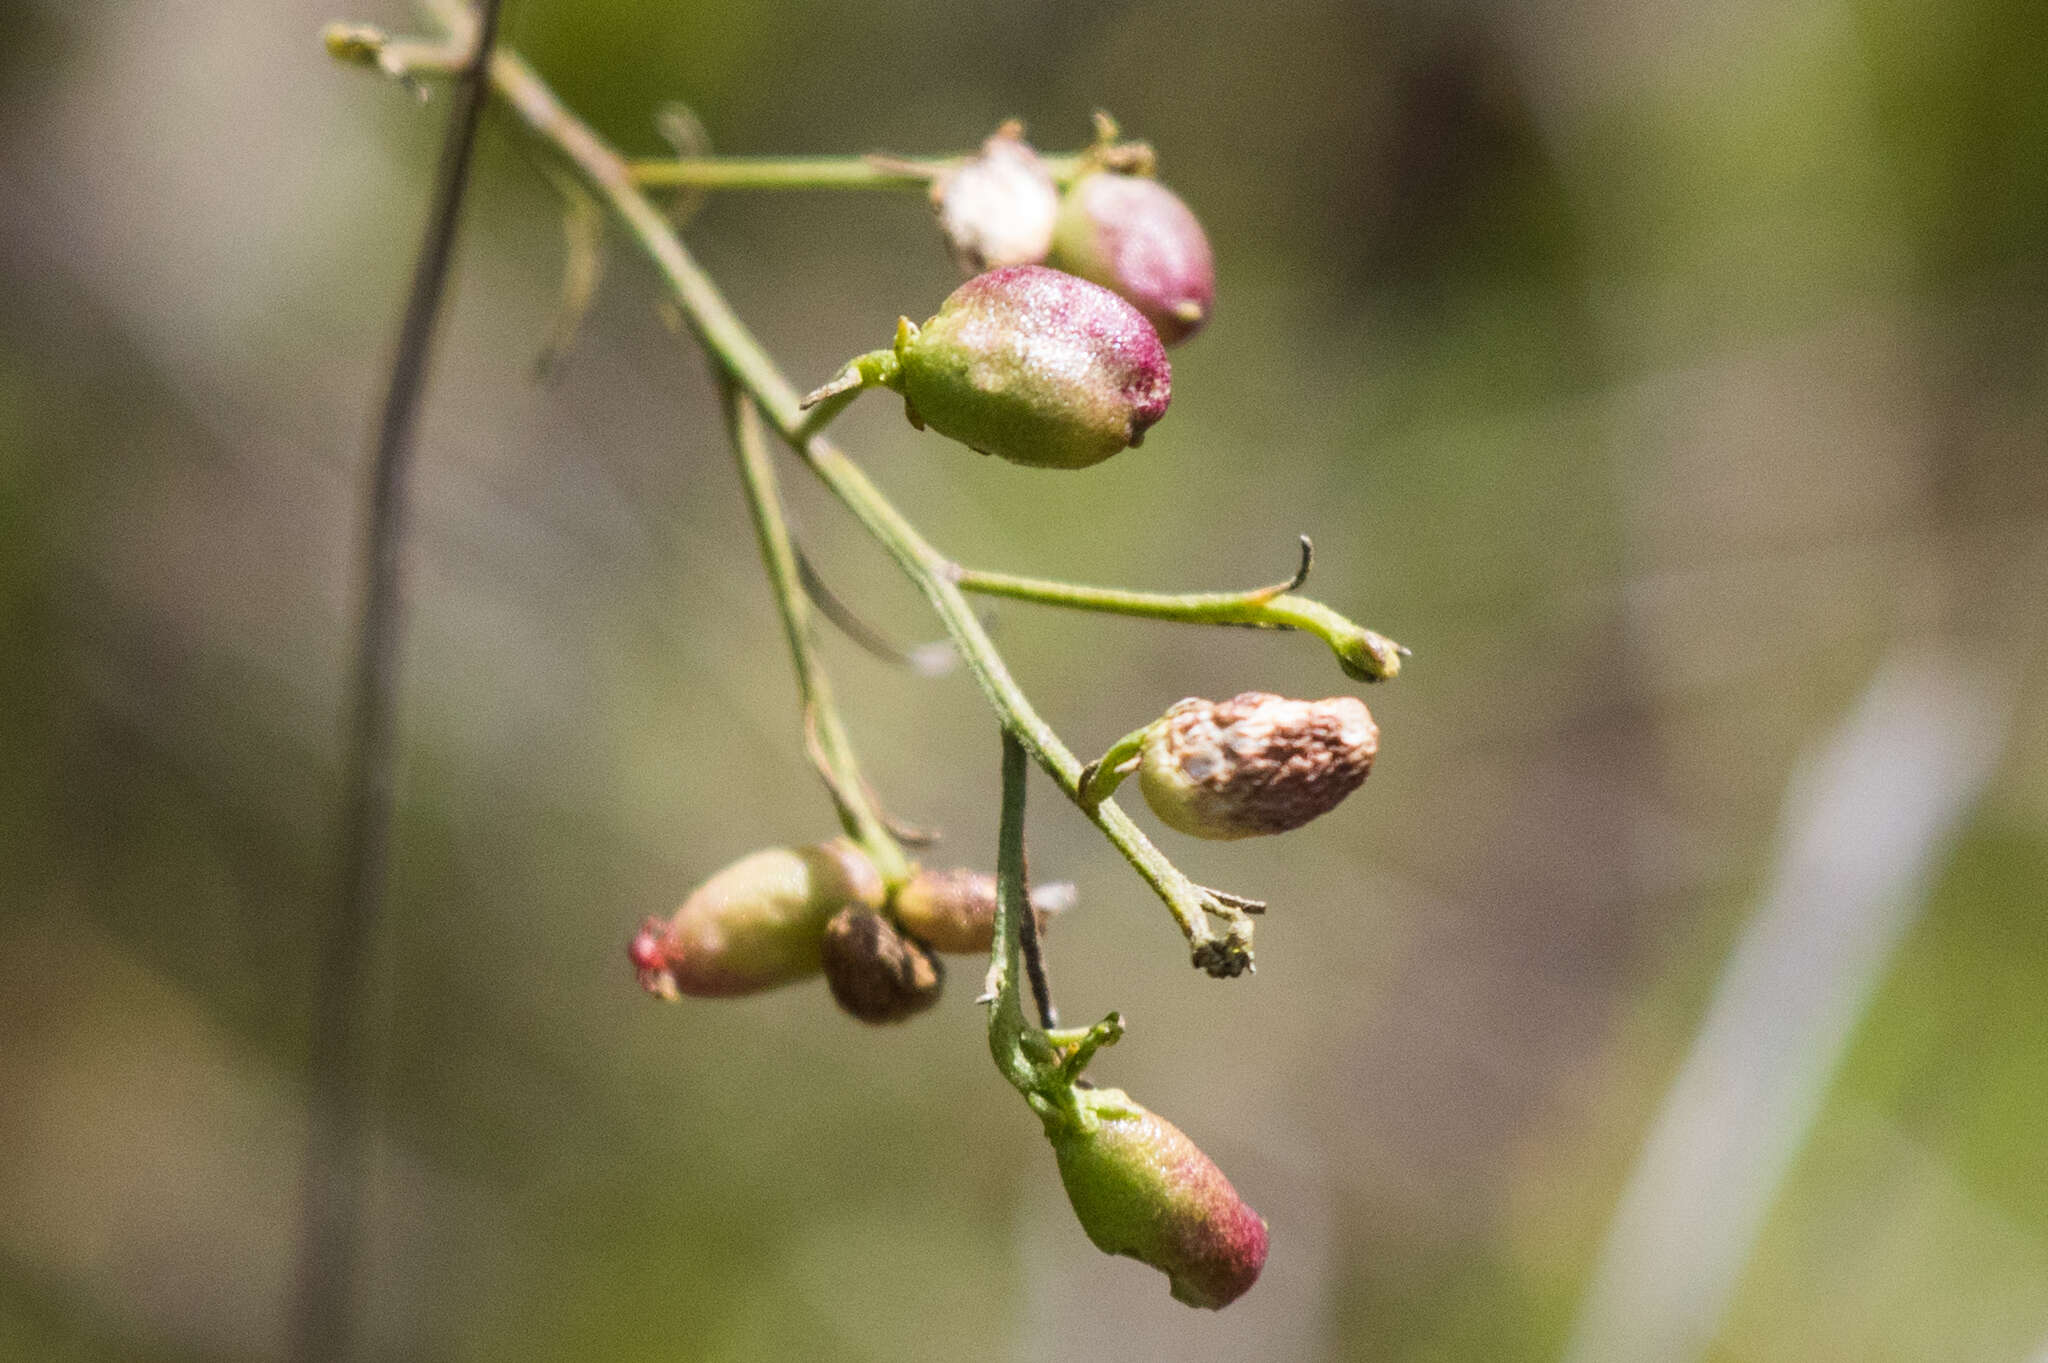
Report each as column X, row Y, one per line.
column 1256, row 763
column 756, row 924
column 1036, row 366
column 876, row 973
column 1133, row 235
column 1030, row 364
column 955, row 911
column 1141, row 1188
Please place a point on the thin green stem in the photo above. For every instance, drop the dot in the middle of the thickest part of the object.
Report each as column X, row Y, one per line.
column 786, row 172
column 824, row 730
column 1007, row 1025
column 1100, row 778
column 815, row 172
column 1189, row 903
column 729, row 342
column 876, row 369
column 1042, row 1062
column 1361, row 652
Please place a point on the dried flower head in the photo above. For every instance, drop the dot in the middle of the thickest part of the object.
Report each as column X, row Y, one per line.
column 1256, row 763
column 1141, row 1188
column 1132, row 234
column 997, row 208
column 955, row 911
column 876, row 973
column 756, row 923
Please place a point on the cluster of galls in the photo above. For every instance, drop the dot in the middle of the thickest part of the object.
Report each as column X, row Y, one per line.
column 1115, row 226
column 1250, row 765
column 1138, row 1186
column 1054, row 354
column 785, row 914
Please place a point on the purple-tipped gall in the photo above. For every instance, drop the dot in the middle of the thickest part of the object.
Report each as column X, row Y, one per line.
column 1133, row 235
column 1139, row 1187
column 876, row 973
column 755, row 924
column 1036, row 366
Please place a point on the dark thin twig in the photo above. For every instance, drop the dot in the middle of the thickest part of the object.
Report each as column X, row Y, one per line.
column 336, row 1160
column 1034, row 958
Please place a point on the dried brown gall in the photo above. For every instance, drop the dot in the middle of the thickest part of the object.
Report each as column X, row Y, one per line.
column 876, row 973
column 1256, row 763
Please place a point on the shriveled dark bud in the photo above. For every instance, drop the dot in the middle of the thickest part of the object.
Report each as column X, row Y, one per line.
column 1036, row 366
column 1132, row 234
column 875, row 972
column 1141, row 1188
column 997, row 208
column 1256, row 763
column 755, row 924
column 955, row 911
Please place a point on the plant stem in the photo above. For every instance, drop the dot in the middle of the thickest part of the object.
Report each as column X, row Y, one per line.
column 336, row 1160
column 1034, row 963
column 729, row 342
column 1007, row 1026
column 1042, row 1062
column 1362, row 653
column 734, row 347
column 786, row 172
column 857, row 812
column 813, row 172
column 932, row 573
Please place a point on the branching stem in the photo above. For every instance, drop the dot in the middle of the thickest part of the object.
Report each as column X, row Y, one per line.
column 858, row 813
column 1222, row 952
column 815, row 172
column 1363, row 654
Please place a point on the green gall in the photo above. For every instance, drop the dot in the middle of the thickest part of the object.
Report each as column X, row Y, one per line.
column 876, row 973
column 1366, row 656
column 955, row 911
column 1030, row 364
column 1134, row 236
column 755, row 924
column 1256, row 763
column 1141, row 1188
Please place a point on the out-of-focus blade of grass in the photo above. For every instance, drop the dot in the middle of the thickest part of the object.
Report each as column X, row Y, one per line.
column 1914, row 1224
column 1864, row 820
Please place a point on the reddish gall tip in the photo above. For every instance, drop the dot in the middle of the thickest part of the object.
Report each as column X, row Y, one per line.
column 650, row 960
column 644, row 951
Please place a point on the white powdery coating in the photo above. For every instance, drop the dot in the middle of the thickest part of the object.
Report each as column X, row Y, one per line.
column 998, row 208
column 1256, row 763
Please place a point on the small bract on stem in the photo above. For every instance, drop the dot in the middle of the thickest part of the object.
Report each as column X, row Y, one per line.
column 1043, row 368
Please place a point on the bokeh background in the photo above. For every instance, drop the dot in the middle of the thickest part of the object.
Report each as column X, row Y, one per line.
column 1671, row 377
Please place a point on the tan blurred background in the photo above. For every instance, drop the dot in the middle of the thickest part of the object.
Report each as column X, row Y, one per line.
column 1672, row 377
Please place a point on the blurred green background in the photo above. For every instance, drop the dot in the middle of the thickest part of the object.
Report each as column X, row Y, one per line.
column 1673, row 378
